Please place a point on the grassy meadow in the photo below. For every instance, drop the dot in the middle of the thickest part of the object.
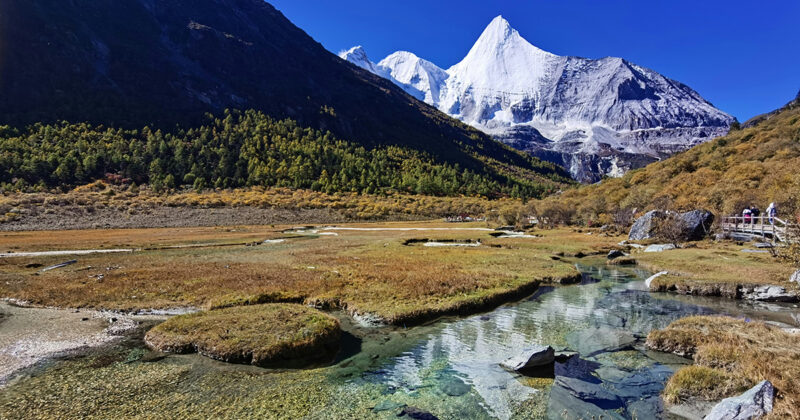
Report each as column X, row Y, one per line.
column 372, row 272
column 731, row 356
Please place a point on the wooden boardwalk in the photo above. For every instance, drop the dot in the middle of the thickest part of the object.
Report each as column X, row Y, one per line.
column 777, row 229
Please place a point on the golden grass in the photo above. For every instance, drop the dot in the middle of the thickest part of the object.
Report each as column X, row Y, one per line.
column 715, row 269
column 730, row 356
column 353, row 206
column 361, row 271
column 261, row 335
column 755, row 165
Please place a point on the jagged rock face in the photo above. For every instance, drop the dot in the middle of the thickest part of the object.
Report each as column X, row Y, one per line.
column 609, row 115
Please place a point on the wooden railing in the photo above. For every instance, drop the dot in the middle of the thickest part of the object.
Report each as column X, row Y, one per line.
column 763, row 226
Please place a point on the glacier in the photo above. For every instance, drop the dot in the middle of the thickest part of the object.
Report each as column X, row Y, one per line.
column 596, row 117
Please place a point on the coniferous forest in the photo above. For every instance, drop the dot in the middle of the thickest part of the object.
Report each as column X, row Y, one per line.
column 237, row 150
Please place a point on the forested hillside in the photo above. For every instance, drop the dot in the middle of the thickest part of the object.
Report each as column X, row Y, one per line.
column 755, row 165
column 248, row 149
column 135, row 63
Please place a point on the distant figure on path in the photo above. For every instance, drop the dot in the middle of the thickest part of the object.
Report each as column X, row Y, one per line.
column 756, row 213
column 772, row 213
column 747, row 215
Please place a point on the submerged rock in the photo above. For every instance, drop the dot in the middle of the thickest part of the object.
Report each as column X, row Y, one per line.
column 417, row 414
column 615, row 253
column 589, row 392
column 562, row 405
column 597, row 340
column 769, row 294
column 754, row 403
column 532, row 357
column 453, row 387
column 659, row 248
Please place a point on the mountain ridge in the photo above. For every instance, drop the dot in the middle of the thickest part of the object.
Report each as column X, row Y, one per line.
column 135, row 63
column 589, row 115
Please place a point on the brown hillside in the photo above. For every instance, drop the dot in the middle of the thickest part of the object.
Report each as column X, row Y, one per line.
column 755, row 165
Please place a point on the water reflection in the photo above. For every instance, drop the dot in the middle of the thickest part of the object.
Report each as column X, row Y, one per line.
column 456, row 367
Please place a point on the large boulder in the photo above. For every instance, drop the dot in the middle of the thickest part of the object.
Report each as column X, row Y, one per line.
column 754, row 403
column 530, row 358
column 645, row 227
column 694, row 225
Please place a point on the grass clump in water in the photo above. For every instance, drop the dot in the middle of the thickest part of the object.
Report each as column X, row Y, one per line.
column 284, row 335
column 730, row 356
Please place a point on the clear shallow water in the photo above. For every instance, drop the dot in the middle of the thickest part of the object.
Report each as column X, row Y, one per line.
column 453, row 372
column 449, row 368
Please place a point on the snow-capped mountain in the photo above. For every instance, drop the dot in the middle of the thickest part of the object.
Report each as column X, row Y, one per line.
column 595, row 117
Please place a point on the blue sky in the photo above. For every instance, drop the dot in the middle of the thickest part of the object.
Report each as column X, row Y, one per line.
column 743, row 56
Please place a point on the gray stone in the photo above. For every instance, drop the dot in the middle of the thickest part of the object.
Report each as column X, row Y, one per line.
column 763, row 245
column 769, row 294
column 659, row 248
column 529, row 358
column 634, row 385
column 564, row 406
column 645, row 226
column 695, row 224
column 754, row 403
column 615, row 253
column 589, row 392
column 417, row 414
column 795, row 277
column 597, row 340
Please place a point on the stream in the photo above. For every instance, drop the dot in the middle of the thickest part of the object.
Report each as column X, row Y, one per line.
column 450, row 367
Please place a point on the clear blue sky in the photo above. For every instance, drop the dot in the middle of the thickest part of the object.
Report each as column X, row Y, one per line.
column 743, row 56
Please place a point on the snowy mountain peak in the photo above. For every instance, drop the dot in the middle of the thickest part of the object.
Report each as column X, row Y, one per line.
column 419, row 77
column 499, row 35
column 502, row 60
column 594, row 117
column 358, row 56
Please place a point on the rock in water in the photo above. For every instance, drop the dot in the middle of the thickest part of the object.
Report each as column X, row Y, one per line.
column 417, row 414
column 769, row 294
column 659, row 248
column 615, row 253
column 754, row 403
column 589, row 392
column 592, row 341
column 530, row 358
column 563, row 405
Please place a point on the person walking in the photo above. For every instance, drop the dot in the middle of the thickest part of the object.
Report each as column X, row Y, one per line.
column 746, row 215
column 755, row 213
column 772, row 213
